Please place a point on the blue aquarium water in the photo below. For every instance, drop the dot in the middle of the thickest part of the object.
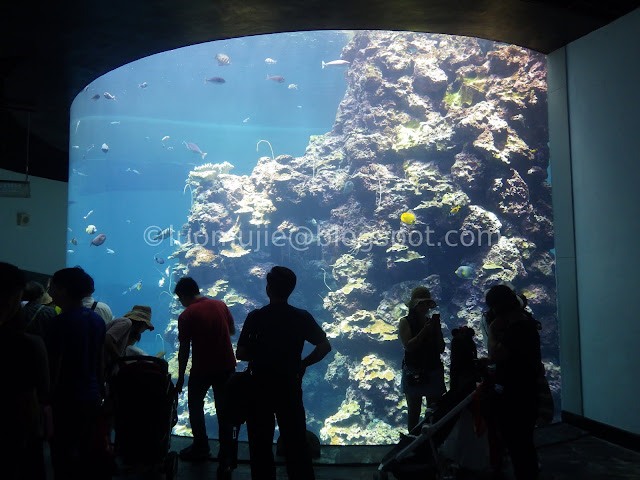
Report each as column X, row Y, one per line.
column 367, row 177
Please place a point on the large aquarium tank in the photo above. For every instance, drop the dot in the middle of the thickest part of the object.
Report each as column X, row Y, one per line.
column 368, row 162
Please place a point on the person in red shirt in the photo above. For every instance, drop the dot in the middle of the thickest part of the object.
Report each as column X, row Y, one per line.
column 205, row 326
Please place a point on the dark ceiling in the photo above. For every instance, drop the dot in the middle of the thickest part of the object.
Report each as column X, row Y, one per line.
column 51, row 50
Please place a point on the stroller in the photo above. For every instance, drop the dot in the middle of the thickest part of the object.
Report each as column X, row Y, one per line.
column 145, row 411
column 419, row 454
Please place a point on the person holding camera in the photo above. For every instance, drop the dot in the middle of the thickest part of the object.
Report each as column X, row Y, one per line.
column 422, row 369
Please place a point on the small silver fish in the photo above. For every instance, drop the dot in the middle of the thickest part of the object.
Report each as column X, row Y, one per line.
column 117, row 122
column 87, row 215
column 270, row 61
column 292, row 86
column 246, row 120
column 143, row 85
column 108, row 96
column 223, row 60
column 335, row 63
column 110, row 251
column 75, row 146
column 105, row 147
column 70, row 251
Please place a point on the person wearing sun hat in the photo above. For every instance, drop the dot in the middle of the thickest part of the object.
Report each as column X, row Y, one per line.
column 123, row 332
column 422, row 369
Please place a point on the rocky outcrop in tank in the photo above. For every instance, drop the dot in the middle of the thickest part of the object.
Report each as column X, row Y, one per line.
column 451, row 132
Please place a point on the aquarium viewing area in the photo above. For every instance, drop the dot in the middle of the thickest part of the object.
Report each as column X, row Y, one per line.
column 369, row 159
column 368, row 162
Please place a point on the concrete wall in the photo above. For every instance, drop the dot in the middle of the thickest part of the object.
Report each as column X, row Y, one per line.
column 41, row 246
column 594, row 110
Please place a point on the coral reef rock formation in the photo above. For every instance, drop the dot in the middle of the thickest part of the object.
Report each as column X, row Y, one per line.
column 434, row 173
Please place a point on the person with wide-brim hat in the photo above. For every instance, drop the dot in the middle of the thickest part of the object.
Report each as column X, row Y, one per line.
column 123, row 332
column 422, row 368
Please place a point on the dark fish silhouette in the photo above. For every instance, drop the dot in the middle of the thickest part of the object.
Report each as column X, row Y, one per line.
column 159, row 260
column 214, row 80
column 99, row 240
column 276, row 78
column 166, row 233
column 95, row 97
column 195, row 149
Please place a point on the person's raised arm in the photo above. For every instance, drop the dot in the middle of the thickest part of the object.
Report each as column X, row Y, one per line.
column 409, row 342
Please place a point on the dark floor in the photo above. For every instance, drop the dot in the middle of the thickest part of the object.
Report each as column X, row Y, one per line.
column 565, row 452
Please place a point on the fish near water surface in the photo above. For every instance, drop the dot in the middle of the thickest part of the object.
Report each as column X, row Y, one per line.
column 276, row 78
column 195, row 149
column 99, row 240
column 223, row 60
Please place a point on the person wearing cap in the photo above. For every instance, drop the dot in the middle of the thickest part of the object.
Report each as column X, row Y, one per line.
column 123, row 332
column 422, row 369
column 38, row 316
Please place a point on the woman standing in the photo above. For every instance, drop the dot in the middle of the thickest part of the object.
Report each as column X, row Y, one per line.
column 422, row 369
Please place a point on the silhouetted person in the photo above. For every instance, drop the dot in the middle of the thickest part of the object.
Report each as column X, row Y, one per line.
column 205, row 325
column 514, row 347
column 463, row 371
column 38, row 317
column 77, row 385
column 422, row 369
column 272, row 339
column 25, row 379
column 100, row 308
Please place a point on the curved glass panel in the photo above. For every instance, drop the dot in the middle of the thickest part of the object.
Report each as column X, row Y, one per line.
column 367, row 162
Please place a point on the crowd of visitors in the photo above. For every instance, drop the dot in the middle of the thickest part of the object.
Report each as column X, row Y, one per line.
column 63, row 347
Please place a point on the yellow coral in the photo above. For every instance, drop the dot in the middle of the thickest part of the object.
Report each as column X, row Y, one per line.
column 218, row 287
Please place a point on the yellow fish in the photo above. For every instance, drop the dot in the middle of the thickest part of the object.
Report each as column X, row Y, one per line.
column 454, row 210
column 408, row 218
